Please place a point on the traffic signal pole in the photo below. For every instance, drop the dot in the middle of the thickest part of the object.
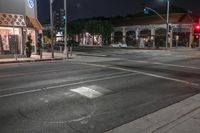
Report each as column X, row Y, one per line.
column 51, row 17
column 167, row 24
column 146, row 11
column 65, row 35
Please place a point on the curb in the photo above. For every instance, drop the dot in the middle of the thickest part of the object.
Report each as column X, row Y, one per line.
column 164, row 119
column 94, row 55
column 24, row 61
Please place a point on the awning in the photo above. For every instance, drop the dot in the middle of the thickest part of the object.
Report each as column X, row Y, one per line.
column 15, row 20
column 33, row 23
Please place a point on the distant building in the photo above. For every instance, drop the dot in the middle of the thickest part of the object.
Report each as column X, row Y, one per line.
column 150, row 31
column 18, row 19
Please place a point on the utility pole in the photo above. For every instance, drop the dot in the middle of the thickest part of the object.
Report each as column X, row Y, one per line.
column 65, row 35
column 167, row 24
column 51, row 17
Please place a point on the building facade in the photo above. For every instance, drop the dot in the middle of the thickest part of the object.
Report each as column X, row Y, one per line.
column 150, row 31
column 18, row 20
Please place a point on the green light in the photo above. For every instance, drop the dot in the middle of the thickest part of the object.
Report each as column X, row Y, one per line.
column 65, row 17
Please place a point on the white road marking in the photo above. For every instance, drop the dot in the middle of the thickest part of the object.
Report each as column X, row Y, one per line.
column 41, row 99
column 19, row 93
column 80, row 119
column 52, row 81
column 88, row 81
column 30, row 73
column 87, row 92
column 46, row 101
column 158, row 76
column 165, row 64
column 65, row 85
column 148, row 74
column 100, row 89
column 133, row 72
column 92, row 91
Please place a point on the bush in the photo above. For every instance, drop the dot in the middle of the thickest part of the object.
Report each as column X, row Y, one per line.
column 29, row 47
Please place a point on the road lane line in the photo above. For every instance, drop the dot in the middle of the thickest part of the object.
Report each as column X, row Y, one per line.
column 80, row 119
column 57, row 69
column 144, row 73
column 157, row 76
column 64, row 80
column 30, row 73
column 19, row 93
column 88, row 81
column 164, row 64
column 65, row 85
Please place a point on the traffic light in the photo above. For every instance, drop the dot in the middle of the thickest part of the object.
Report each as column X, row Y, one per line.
column 62, row 17
column 196, row 37
column 57, row 21
column 197, row 29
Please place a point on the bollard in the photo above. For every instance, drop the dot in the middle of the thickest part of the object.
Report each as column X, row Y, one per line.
column 71, row 51
column 60, row 49
column 40, row 53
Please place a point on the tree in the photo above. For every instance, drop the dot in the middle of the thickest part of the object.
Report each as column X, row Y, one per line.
column 100, row 27
column 107, row 29
column 39, row 43
column 94, row 26
column 29, row 46
column 75, row 27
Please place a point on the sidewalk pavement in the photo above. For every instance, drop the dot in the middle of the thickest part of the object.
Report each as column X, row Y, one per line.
column 47, row 56
column 182, row 117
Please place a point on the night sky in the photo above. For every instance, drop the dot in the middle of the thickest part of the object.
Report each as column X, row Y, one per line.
column 94, row 8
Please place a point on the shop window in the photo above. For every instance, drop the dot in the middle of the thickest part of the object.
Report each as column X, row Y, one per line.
column 7, row 43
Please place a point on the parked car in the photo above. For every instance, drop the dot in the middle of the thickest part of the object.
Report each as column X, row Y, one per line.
column 119, row 45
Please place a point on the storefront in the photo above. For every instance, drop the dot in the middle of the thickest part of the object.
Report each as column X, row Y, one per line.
column 150, row 31
column 11, row 28
column 86, row 39
column 16, row 24
column 14, row 30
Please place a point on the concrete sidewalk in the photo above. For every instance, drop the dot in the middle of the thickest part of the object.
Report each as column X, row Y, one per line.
column 36, row 58
column 182, row 117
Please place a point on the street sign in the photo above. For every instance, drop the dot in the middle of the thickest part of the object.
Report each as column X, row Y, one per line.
column 31, row 3
column 146, row 10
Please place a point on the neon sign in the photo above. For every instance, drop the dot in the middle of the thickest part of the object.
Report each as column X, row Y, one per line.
column 31, row 3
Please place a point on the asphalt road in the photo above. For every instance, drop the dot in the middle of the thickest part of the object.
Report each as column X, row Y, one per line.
column 94, row 94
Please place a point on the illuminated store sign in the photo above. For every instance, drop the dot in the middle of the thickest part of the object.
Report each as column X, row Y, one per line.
column 31, row 3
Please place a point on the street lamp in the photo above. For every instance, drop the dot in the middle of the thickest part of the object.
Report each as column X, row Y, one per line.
column 146, row 11
column 167, row 23
column 51, row 18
